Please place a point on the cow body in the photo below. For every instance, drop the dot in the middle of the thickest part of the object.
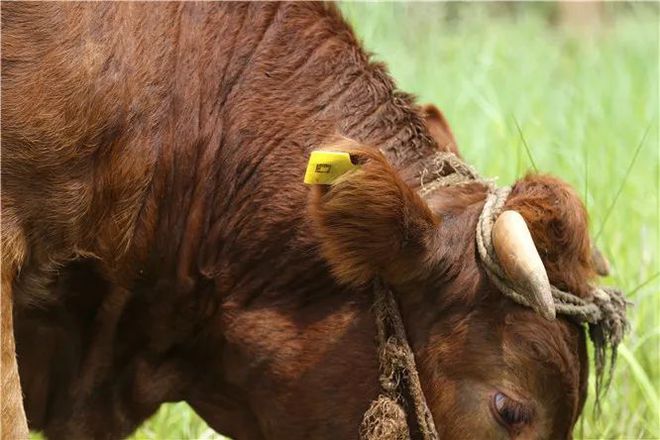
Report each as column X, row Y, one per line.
column 159, row 245
column 162, row 148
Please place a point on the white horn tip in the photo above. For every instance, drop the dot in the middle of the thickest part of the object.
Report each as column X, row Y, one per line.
column 547, row 309
column 549, row 315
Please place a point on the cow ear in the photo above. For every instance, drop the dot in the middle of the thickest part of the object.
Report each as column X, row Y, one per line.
column 439, row 129
column 369, row 222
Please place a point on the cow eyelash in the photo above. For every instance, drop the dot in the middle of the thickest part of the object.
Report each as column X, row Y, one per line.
column 510, row 413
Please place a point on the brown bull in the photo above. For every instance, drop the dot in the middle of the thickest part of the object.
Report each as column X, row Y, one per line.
column 158, row 243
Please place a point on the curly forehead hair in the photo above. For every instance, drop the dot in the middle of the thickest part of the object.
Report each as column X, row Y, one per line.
column 558, row 223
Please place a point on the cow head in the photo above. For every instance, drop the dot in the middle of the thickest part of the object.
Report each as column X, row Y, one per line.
column 490, row 368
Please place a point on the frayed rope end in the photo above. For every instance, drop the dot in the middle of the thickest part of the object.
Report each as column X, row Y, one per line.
column 384, row 420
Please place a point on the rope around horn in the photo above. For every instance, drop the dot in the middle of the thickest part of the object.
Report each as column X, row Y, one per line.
column 605, row 313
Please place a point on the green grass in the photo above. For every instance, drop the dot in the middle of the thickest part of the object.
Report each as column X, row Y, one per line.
column 175, row 421
column 583, row 104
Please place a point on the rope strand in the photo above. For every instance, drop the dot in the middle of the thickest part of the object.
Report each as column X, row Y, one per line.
column 385, row 418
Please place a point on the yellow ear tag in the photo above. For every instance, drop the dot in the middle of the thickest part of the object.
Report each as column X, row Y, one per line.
column 326, row 166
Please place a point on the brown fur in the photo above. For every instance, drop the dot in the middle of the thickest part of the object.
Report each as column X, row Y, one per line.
column 153, row 156
column 554, row 213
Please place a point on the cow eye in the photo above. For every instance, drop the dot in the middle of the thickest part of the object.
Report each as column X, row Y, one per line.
column 510, row 413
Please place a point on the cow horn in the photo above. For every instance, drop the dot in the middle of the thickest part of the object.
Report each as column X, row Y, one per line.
column 522, row 263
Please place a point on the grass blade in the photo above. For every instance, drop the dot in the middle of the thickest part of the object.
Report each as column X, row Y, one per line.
column 522, row 137
column 643, row 381
column 623, row 183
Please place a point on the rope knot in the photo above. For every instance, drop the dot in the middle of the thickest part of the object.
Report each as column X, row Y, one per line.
column 393, row 362
column 612, row 305
column 607, row 332
column 384, row 420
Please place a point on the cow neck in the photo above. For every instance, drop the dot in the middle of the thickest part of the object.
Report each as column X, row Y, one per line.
column 411, row 145
column 386, row 117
